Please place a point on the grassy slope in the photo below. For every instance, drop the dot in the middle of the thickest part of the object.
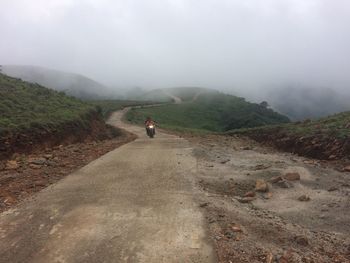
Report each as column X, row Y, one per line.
column 327, row 138
column 184, row 93
column 72, row 84
column 24, row 105
column 108, row 106
column 336, row 126
column 210, row 112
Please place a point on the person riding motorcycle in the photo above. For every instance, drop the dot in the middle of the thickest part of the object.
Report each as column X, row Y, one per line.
column 149, row 123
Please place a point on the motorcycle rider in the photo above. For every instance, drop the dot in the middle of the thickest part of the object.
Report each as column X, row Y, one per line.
column 149, row 122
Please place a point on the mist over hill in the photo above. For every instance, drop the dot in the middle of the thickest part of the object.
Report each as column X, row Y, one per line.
column 299, row 102
column 72, row 84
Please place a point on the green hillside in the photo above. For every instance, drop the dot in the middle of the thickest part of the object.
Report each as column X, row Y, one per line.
column 326, row 138
column 108, row 106
column 335, row 126
column 24, row 105
column 210, row 111
column 72, row 84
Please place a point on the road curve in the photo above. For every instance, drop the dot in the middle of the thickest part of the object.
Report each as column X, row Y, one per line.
column 134, row 204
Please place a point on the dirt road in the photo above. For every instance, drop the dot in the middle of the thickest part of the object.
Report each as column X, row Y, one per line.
column 167, row 199
column 134, row 204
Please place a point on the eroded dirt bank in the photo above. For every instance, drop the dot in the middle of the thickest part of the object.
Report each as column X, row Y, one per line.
column 319, row 146
column 25, row 174
column 266, row 206
column 90, row 128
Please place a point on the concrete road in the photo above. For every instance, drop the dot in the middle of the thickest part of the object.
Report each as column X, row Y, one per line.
column 134, row 204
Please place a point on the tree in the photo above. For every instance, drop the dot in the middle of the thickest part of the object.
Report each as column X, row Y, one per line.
column 264, row 104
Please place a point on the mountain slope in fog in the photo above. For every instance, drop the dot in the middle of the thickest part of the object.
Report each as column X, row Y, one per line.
column 301, row 103
column 72, row 84
column 207, row 110
column 167, row 94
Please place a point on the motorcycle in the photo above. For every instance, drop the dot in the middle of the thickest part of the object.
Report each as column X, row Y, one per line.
column 151, row 130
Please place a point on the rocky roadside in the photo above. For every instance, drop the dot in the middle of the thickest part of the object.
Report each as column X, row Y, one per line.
column 25, row 174
column 266, row 206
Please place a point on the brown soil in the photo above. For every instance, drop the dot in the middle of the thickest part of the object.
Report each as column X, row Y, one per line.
column 316, row 146
column 274, row 226
column 42, row 138
column 37, row 170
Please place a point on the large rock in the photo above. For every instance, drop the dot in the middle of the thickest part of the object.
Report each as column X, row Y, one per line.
column 261, row 186
column 292, row 176
column 347, row 168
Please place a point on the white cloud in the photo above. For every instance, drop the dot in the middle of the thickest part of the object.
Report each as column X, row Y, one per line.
column 182, row 42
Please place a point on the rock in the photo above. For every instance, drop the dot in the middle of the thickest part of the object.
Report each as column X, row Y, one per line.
column 245, row 200
column 218, row 238
column 275, row 179
column 204, row 204
column 333, row 188
column 292, row 176
column 229, row 234
column 35, row 166
column 225, row 161
column 48, row 156
column 301, row 240
column 304, row 198
column 40, row 183
column 249, row 194
column 347, row 168
column 37, row 161
column 9, row 200
column 12, row 165
column 287, row 257
column 211, row 220
column 261, row 186
column 236, row 229
column 247, row 148
column 261, row 167
column 268, row 195
column 51, row 163
column 284, row 184
column 269, row 258
column 332, row 157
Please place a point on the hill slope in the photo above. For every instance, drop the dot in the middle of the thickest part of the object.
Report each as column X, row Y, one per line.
column 208, row 110
column 32, row 115
column 72, row 84
column 326, row 138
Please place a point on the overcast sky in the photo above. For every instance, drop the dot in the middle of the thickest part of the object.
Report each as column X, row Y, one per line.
column 162, row 43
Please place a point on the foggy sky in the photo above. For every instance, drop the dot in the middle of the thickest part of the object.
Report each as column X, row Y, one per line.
column 226, row 44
